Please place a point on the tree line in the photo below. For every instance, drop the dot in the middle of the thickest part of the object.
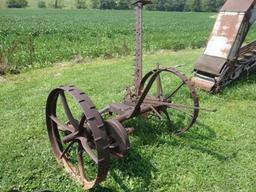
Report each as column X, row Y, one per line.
column 163, row 5
column 158, row 5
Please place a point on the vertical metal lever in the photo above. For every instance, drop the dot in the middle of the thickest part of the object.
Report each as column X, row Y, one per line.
column 138, row 51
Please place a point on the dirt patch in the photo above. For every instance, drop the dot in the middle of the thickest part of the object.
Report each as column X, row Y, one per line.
column 3, row 68
column 2, row 79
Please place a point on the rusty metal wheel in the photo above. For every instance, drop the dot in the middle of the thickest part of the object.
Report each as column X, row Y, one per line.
column 176, row 93
column 77, row 135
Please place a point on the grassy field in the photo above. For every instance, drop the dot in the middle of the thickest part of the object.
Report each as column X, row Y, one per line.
column 217, row 155
column 39, row 38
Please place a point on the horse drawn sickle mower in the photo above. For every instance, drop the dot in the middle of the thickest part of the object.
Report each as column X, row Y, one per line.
column 84, row 143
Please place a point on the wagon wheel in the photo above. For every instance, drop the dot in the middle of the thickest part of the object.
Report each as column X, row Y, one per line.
column 79, row 142
column 176, row 93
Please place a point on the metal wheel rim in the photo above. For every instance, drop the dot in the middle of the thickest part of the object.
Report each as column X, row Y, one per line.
column 98, row 131
column 153, row 75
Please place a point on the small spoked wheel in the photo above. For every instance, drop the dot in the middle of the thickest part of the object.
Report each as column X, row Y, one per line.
column 77, row 135
column 177, row 96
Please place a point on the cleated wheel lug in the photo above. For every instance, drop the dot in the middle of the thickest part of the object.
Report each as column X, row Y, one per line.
column 78, row 138
column 130, row 130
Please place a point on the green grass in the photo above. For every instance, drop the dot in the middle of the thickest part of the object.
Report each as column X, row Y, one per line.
column 216, row 155
column 39, row 38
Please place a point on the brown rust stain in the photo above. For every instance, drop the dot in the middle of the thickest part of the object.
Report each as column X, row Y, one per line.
column 224, row 35
column 229, row 29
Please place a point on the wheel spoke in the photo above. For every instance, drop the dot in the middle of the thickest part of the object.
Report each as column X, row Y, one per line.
column 175, row 91
column 80, row 160
column 70, row 137
column 167, row 116
column 67, row 149
column 159, row 85
column 88, row 149
column 61, row 126
column 171, row 105
column 156, row 112
column 169, row 122
column 191, row 115
column 181, row 106
column 68, row 112
column 75, row 138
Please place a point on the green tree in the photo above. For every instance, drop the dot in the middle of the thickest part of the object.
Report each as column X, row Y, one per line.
column 193, row 5
column 81, row 4
column 95, row 4
column 17, row 3
column 189, row 5
column 220, row 3
column 107, row 4
column 152, row 6
column 123, row 4
column 41, row 4
column 58, row 4
column 197, row 5
column 161, row 4
column 175, row 5
column 209, row 5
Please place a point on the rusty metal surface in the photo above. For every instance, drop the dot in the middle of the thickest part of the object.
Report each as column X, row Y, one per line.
column 224, row 34
column 243, row 65
column 118, row 138
column 151, row 77
column 238, row 5
column 138, row 52
column 100, row 134
column 222, row 56
column 138, row 34
column 107, row 137
column 75, row 133
column 210, row 64
column 247, row 59
column 203, row 84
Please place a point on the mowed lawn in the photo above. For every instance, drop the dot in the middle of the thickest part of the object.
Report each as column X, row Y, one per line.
column 217, row 154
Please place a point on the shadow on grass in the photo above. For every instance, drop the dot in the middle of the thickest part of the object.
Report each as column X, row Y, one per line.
column 199, row 137
column 138, row 166
column 238, row 84
column 245, row 80
column 134, row 166
column 101, row 189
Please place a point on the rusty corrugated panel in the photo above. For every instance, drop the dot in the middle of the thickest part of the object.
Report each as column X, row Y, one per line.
column 210, row 64
column 224, row 34
column 238, row 6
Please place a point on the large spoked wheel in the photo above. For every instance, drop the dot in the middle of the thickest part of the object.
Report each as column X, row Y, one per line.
column 177, row 95
column 77, row 135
